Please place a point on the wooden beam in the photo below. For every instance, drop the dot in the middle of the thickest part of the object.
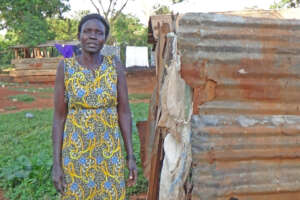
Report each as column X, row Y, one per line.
column 156, row 164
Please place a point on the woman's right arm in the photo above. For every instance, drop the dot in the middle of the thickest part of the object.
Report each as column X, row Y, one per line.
column 59, row 118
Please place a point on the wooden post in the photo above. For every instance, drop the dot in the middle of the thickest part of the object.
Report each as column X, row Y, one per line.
column 157, row 154
column 16, row 53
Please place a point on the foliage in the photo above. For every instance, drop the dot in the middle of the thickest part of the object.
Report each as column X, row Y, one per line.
column 285, row 3
column 27, row 18
column 22, row 98
column 66, row 28
column 177, row 1
column 5, row 53
column 63, row 29
column 26, row 154
column 161, row 9
column 128, row 29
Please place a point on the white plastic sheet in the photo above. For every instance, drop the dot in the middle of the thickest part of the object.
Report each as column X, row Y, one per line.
column 137, row 56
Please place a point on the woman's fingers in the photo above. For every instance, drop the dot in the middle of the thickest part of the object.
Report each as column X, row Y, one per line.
column 58, row 179
column 132, row 177
column 135, row 176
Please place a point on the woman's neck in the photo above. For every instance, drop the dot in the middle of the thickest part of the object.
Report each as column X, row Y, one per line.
column 91, row 60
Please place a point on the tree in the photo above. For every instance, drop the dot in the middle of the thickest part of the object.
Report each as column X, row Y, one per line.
column 127, row 30
column 66, row 29
column 27, row 18
column 286, row 3
column 5, row 53
column 111, row 9
column 177, row 1
column 161, row 9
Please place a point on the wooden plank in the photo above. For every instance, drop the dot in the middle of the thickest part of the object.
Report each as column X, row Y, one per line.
column 156, row 164
column 42, row 72
column 36, row 66
column 36, row 60
column 157, row 155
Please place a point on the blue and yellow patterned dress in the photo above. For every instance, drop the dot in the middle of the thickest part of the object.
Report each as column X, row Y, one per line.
column 91, row 152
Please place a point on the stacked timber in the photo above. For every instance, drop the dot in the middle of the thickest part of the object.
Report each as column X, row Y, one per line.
column 34, row 70
column 224, row 118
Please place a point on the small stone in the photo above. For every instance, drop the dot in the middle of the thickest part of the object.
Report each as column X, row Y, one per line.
column 29, row 115
column 3, row 86
column 25, row 90
column 14, row 100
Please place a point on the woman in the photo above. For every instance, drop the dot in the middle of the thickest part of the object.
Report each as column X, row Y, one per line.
column 90, row 105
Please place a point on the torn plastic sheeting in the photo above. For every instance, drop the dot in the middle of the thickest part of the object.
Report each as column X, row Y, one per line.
column 175, row 119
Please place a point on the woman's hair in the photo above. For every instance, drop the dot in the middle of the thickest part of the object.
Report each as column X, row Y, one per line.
column 97, row 17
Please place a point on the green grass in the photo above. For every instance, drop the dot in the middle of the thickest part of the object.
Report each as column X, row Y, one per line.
column 5, row 68
column 26, row 154
column 22, row 98
column 139, row 96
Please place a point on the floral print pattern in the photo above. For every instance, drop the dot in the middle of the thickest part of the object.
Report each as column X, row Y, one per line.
column 91, row 153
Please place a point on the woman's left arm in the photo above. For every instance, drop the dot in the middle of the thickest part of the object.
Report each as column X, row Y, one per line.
column 125, row 122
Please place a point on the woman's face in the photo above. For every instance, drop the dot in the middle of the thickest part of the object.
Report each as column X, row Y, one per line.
column 92, row 36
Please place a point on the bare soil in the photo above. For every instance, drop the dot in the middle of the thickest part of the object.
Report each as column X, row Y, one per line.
column 42, row 99
column 2, row 195
column 142, row 196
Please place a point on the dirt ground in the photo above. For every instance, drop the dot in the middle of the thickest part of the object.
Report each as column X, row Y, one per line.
column 43, row 95
column 2, row 196
column 42, row 99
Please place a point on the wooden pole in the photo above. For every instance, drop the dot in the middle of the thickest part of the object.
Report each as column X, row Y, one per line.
column 157, row 154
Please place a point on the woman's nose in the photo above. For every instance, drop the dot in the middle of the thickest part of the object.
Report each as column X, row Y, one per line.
column 92, row 35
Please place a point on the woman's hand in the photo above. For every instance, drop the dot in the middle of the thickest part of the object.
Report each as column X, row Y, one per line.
column 132, row 172
column 58, row 178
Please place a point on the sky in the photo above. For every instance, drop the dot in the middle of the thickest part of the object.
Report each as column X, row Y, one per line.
column 142, row 8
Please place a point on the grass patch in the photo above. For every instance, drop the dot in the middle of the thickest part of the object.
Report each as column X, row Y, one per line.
column 6, row 68
column 42, row 96
column 22, row 98
column 26, row 154
column 33, row 90
column 139, row 96
column 8, row 84
column 8, row 108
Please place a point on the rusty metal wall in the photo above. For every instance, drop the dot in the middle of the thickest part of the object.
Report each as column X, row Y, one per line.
column 245, row 74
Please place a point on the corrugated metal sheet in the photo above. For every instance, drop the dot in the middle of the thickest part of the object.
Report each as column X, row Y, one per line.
column 246, row 157
column 245, row 132
column 253, row 62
